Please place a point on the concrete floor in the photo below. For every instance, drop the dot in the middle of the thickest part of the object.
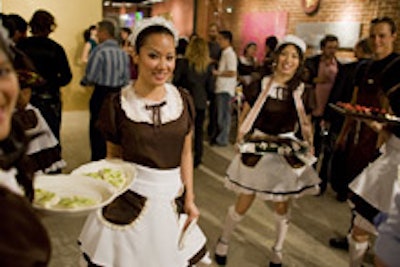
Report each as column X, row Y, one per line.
column 314, row 219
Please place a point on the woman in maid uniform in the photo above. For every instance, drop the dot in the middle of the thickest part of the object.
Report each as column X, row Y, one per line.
column 150, row 124
column 273, row 164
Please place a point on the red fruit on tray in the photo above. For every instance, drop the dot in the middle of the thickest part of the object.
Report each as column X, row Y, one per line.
column 367, row 112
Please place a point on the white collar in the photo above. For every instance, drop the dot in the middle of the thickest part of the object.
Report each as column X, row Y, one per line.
column 134, row 106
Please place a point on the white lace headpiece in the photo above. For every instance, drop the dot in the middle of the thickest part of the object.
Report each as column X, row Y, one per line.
column 153, row 21
column 293, row 39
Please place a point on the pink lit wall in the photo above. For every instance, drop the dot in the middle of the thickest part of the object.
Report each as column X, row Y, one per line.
column 257, row 26
column 181, row 13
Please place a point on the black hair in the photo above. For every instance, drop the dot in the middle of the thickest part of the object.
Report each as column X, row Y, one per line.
column 271, row 42
column 328, row 38
column 295, row 81
column 42, row 23
column 386, row 20
column 86, row 33
column 181, row 48
column 227, row 35
column 20, row 24
column 154, row 29
column 8, row 24
column 248, row 46
column 126, row 29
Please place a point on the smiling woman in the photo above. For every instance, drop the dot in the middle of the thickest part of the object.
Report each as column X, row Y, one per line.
column 272, row 109
column 149, row 124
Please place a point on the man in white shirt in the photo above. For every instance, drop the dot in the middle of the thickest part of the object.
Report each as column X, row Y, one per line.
column 225, row 86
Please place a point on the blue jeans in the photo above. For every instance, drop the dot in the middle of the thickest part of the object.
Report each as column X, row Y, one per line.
column 223, row 117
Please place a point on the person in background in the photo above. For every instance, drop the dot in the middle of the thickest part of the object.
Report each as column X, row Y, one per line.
column 357, row 144
column 181, row 48
column 90, row 38
column 267, row 66
column 51, row 63
column 226, row 80
column 44, row 149
column 373, row 190
column 23, row 239
column 180, row 62
column 126, row 45
column 150, row 124
column 213, row 45
column 343, row 91
column 20, row 60
column 124, row 38
column 322, row 72
column 248, row 64
column 215, row 54
column 20, row 28
column 273, row 108
column 194, row 72
column 108, row 70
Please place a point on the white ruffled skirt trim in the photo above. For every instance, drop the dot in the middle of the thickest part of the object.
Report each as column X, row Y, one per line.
column 272, row 179
column 152, row 239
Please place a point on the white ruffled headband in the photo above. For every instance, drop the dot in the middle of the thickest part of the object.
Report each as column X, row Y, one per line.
column 153, row 21
column 293, row 39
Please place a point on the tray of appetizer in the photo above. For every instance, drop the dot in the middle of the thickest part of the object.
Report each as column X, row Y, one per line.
column 364, row 112
column 118, row 173
column 70, row 195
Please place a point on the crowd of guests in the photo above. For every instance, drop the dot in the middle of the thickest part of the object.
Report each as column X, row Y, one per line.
column 153, row 93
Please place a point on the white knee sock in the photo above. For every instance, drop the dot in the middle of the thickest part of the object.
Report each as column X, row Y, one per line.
column 282, row 226
column 231, row 220
column 357, row 251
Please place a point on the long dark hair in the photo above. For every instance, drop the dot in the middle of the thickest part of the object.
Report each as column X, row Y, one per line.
column 295, row 81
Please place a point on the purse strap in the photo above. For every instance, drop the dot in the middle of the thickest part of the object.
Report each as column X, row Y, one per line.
column 305, row 123
column 248, row 122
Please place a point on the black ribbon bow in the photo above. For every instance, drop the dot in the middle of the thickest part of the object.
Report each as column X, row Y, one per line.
column 156, row 110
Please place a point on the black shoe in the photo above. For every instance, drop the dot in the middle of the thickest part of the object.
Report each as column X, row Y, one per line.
column 271, row 264
column 220, row 260
column 339, row 243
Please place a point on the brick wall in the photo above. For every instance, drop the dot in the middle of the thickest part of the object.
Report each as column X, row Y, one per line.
column 329, row 11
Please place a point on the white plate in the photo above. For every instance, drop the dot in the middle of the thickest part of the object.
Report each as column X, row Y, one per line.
column 127, row 169
column 64, row 185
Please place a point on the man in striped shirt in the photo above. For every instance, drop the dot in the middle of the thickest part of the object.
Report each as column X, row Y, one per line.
column 108, row 71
